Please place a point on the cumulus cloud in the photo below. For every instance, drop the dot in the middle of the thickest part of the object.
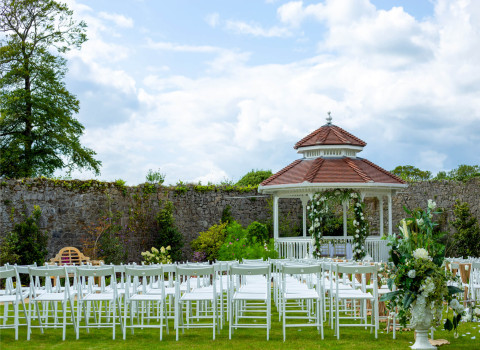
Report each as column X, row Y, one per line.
column 408, row 87
column 119, row 20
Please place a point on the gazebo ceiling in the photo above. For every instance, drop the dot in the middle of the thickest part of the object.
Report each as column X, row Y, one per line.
column 330, row 161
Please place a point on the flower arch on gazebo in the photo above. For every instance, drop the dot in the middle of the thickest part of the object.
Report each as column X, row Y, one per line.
column 330, row 162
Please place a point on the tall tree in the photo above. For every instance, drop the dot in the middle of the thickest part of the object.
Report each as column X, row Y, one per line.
column 38, row 133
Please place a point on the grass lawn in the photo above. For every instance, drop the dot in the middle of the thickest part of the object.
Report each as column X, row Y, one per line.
column 302, row 338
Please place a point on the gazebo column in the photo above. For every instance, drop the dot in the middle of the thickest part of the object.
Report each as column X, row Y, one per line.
column 390, row 232
column 304, row 207
column 380, row 201
column 344, row 203
column 275, row 217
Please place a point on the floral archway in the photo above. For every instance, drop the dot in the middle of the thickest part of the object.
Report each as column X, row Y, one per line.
column 319, row 208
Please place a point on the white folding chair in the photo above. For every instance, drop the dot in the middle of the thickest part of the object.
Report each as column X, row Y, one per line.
column 197, row 290
column 101, row 301
column 301, row 296
column 355, row 295
column 51, row 297
column 251, row 297
column 14, row 295
column 140, row 302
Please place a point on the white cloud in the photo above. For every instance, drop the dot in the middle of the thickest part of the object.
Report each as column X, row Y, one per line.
column 256, row 29
column 119, row 20
column 409, row 88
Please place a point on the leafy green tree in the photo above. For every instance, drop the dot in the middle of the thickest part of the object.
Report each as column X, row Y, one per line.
column 168, row 233
column 464, row 172
column 155, row 177
column 411, row 173
column 254, row 177
column 467, row 235
column 38, row 133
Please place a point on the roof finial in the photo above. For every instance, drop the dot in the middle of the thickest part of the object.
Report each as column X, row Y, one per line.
column 329, row 118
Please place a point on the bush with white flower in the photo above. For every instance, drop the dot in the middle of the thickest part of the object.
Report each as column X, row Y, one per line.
column 418, row 274
column 157, row 256
column 360, row 226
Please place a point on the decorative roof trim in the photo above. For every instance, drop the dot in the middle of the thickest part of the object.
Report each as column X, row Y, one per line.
column 383, row 170
column 317, row 164
column 274, row 176
column 359, row 171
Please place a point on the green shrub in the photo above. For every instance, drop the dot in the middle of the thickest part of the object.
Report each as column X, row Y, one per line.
column 467, row 235
column 26, row 244
column 254, row 177
column 240, row 245
column 168, row 233
column 210, row 241
column 258, row 231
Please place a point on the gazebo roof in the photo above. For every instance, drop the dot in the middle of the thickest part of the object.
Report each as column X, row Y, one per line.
column 332, row 170
column 329, row 135
column 330, row 161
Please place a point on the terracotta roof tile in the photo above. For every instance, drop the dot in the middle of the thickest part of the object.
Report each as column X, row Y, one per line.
column 332, row 170
column 329, row 135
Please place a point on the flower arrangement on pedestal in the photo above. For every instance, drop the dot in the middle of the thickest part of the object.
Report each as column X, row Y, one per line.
column 319, row 208
column 418, row 277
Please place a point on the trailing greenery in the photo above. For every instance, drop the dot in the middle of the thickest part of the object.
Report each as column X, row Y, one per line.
column 467, row 231
column 168, row 234
column 227, row 215
column 105, row 239
column 38, row 131
column 210, row 241
column 254, row 177
column 26, row 244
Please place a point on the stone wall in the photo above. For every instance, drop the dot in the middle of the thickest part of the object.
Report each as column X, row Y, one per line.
column 68, row 207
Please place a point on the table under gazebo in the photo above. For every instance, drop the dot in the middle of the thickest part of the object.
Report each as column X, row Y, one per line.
column 330, row 162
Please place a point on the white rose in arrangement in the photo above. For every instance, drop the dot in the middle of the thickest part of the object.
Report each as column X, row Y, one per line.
column 356, row 236
column 357, row 231
column 412, row 273
column 476, row 312
column 420, row 253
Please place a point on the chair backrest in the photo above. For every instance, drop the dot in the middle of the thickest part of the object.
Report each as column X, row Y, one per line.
column 301, row 269
column 47, row 272
column 97, row 272
column 144, row 271
column 243, row 270
column 252, row 261
column 200, row 270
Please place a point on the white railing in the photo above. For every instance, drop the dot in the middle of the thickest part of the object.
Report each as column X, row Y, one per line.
column 300, row 247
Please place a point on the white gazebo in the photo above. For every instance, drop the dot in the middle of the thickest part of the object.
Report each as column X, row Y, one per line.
column 330, row 162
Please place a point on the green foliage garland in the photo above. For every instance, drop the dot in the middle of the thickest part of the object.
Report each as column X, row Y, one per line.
column 318, row 215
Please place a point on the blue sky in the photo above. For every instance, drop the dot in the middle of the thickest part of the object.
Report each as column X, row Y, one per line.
column 208, row 90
